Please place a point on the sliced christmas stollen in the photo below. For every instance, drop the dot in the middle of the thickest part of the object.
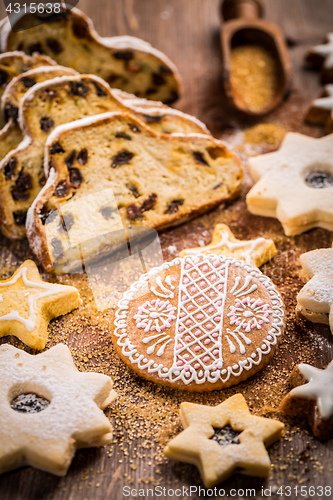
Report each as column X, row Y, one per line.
column 11, row 134
column 135, row 101
column 157, row 180
column 124, row 62
column 20, row 85
column 13, row 64
column 48, row 105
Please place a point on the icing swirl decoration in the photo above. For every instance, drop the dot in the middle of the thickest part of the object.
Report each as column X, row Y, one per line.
column 200, row 322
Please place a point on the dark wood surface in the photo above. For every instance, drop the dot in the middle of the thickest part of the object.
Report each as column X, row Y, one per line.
column 188, row 32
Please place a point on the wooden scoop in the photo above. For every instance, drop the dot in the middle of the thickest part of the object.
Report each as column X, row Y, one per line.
column 243, row 26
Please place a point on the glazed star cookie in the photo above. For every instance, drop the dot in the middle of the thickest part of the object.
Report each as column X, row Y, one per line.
column 315, row 300
column 49, row 409
column 224, row 439
column 295, row 184
column 321, row 56
column 312, row 397
column 255, row 252
column 321, row 110
column 199, row 323
column 27, row 304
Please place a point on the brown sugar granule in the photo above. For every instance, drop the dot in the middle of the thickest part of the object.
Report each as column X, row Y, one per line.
column 265, row 133
column 253, row 76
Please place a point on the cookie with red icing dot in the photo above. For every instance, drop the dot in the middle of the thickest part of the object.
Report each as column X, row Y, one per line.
column 199, row 323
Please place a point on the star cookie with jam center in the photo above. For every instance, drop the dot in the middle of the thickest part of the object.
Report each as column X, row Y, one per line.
column 241, row 448
column 312, row 397
column 254, row 252
column 27, row 304
column 315, row 300
column 49, row 409
column 295, row 184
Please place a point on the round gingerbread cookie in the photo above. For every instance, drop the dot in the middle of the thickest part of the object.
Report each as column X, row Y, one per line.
column 199, row 323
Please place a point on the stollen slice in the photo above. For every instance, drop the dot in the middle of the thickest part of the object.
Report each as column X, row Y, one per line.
column 157, row 181
column 44, row 107
column 124, row 62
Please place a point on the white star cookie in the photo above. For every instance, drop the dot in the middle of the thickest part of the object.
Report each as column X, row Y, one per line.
column 254, row 252
column 218, row 454
column 27, row 304
column 312, row 397
column 315, row 300
column 49, row 409
column 321, row 110
column 322, row 56
column 295, row 184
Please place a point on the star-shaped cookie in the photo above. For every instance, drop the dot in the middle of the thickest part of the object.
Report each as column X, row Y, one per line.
column 27, row 304
column 315, row 300
column 295, row 184
column 312, row 397
column 254, row 252
column 321, row 110
column 322, row 57
column 49, row 409
column 217, row 457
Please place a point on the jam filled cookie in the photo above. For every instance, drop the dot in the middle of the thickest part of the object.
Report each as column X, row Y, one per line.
column 49, row 409
column 223, row 440
column 124, row 62
column 27, row 304
column 199, row 323
column 315, row 300
column 312, row 397
column 254, row 252
column 295, row 184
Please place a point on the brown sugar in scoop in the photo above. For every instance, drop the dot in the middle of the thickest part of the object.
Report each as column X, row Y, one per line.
column 256, row 65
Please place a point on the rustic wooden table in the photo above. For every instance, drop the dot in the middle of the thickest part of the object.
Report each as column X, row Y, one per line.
column 145, row 416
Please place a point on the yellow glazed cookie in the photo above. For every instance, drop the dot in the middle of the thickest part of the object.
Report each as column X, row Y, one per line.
column 224, row 439
column 315, row 300
column 312, row 397
column 49, row 409
column 199, row 323
column 27, row 304
column 255, row 252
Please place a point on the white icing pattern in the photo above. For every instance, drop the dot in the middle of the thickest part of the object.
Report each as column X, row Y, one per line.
column 165, row 292
column 29, row 322
column 225, row 242
column 319, row 387
column 198, row 336
column 198, row 333
column 156, row 315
